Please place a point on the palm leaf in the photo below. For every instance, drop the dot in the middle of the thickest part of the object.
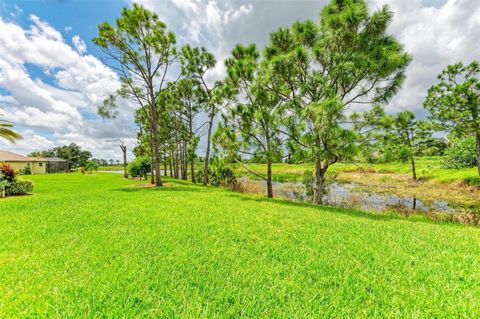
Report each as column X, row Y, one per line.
column 7, row 133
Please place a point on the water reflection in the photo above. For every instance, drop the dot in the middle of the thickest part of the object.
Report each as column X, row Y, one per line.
column 351, row 195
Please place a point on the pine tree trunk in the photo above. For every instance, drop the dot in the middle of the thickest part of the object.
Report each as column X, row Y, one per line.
column 158, row 180
column 185, row 160
column 269, row 179
column 180, row 159
column 175, row 163
column 152, row 177
column 414, row 171
column 207, row 153
column 124, row 150
column 318, row 183
column 192, row 159
column 192, row 170
column 477, row 135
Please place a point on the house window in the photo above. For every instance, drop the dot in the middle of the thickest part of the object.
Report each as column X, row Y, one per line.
column 40, row 164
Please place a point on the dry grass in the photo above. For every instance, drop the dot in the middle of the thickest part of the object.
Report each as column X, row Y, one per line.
column 456, row 193
column 247, row 186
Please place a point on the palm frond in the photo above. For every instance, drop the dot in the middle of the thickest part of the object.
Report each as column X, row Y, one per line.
column 7, row 133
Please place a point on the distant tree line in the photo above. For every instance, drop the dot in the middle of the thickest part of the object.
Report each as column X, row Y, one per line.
column 76, row 157
column 72, row 153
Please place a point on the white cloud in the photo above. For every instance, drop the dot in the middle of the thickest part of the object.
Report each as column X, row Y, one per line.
column 187, row 5
column 34, row 117
column 16, row 11
column 30, row 142
column 7, row 99
column 243, row 10
column 79, row 44
column 44, row 29
column 435, row 37
column 201, row 20
column 62, row 103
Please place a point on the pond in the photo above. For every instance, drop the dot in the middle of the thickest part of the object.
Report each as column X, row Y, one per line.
column 347, row 195
column 350, row 195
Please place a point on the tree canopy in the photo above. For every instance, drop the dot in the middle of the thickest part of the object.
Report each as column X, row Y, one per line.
column 454, row 103
column 321, row 70
column 72, row 153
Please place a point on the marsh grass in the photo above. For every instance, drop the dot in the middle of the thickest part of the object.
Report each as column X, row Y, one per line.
column 460, row 187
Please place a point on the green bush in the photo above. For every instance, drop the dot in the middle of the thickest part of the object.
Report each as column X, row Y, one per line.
column 91, row 166
column 308, row 181
column 472, row 181
column 199, row 175
column 8, row 172
column 139, row 167
column 222, row 175
column 27, row 170
column 461, row 154
column 19, row 187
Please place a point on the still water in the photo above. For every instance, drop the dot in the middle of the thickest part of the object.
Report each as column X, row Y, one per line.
column 352, row 195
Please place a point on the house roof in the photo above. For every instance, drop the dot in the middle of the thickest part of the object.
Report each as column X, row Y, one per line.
column 6, row 156
column 47, row 159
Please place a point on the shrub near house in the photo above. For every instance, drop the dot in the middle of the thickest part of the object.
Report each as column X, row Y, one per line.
column 11, row 184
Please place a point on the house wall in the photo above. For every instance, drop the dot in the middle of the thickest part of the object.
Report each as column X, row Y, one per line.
column 36, row 167
column 19, row 166
column 39, row 167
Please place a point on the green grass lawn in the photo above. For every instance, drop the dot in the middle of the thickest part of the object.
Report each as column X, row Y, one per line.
column 89, row 246
column 111, row 168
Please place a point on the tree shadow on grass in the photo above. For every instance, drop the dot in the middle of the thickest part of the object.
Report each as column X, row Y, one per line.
column 174, row 188
column 386, row 216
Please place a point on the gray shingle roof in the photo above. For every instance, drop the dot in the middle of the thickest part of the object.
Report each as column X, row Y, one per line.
column 6, row 156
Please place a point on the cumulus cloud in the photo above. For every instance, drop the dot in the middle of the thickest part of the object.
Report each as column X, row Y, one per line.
column 62, row 102
column 435, row 33
column 79, row 44
column 203, row 23
column 31, row 141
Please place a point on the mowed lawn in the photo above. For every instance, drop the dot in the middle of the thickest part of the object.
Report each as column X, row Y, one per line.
column 90, row 246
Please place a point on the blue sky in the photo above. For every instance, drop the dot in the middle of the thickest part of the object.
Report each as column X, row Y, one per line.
column 52, row 77
column 81, row 16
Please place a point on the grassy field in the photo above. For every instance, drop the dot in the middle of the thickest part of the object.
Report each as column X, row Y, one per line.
column 436, row 183
column 111, row 168
column 427, row 168
column 94, row 246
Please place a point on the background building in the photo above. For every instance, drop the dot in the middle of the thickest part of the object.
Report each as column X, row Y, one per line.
column 37, row 165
